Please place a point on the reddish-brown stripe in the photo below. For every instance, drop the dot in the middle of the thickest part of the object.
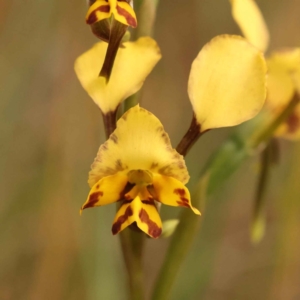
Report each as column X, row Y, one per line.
column 93, row 15
column 129, row 18
column 293, row 123
column 149, row 202
column 183, row 201
column 117, row 225
column 153, row 229
column 93, row 199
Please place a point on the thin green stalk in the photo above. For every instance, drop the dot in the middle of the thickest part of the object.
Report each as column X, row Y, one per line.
column 258, row 217
column 132, row 244
column 146, row 14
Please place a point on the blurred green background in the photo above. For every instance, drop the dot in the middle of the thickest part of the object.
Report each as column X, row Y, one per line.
column 50, row 133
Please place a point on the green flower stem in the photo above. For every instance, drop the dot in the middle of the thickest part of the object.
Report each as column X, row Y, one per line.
column 258, row 217
column 132, row 244
column 222, row 164
column 146, row 14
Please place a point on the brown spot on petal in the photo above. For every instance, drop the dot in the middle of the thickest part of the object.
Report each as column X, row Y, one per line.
column 114, row 138
column 148, row 202
column 181, row 203
column 153, row 166
column 293, row 123
column 128, row 187
column 183, row 200
column 153, row 230
column 129, row 18
column 118, row 224
column 93, row 15
column 93, row 199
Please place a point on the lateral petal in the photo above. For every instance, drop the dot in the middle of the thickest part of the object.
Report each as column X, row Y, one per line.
column 170, row 191
column 107, row 190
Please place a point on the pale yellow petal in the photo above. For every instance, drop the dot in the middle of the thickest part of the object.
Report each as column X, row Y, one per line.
column 283, row 77
column 227, row 82
column 107, row 190
column 138, row 143
column 251, row 22
column 289, row 58
column 170, row 191
column 133, row 63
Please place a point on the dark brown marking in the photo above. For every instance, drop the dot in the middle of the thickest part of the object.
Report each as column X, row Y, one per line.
column 97, row 186
column 180, row 192
column 93, row 15
column 129, row 18
column 293, row 123
column 183, row 201
column 119, row 165
column 153, row 230
column 128, row 187
column 148, row 202
column 117, row 225
column 153, row 165
column 93, row 199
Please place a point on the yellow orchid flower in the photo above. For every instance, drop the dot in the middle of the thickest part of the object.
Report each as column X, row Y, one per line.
column 133, row 63
column 227, row 82
column 138, row 167
column 121, row 10
column 283, row 66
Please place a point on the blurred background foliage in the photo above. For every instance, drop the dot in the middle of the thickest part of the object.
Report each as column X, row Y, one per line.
column 50, row 133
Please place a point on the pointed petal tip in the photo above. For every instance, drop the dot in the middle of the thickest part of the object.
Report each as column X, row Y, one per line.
column 196, row 211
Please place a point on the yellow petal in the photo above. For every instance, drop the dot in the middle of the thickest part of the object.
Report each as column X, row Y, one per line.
column 125, row 216
column 170, row 191
column 98, row 11
column 125, row 14
column 227, row 82
column 107, row 190
column 133, row 63
column 143, row 213
column 251, row 22
column 283, row 77
column 138, row 143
